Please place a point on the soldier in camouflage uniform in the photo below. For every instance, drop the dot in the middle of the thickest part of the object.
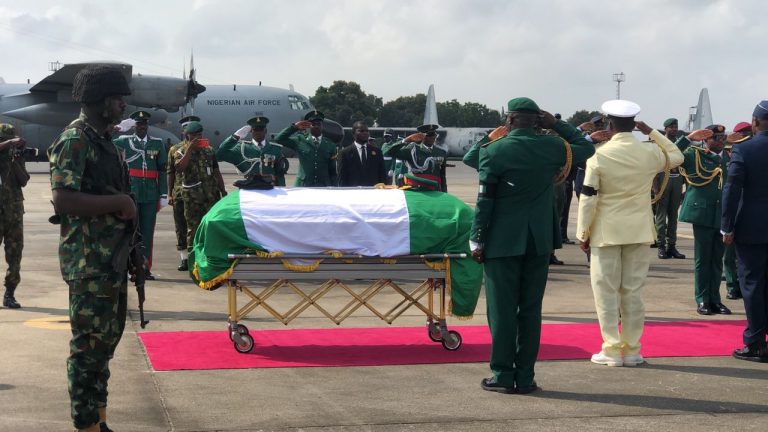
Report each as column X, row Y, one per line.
column 201, row 181
column 174, row 192
column 91, row 190
column 11, row 211
column 421, row 155
column 316, row 153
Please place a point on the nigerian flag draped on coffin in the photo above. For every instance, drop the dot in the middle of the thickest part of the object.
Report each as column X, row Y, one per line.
column 370, row 222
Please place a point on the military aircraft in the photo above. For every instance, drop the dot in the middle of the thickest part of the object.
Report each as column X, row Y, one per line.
column 40, row 111
column 457, row 140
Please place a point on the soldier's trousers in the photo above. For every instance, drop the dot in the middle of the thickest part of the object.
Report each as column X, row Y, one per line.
column 708, row 251
column 12, row 237
column 666, row 212
column 180, row 222
column 97, row 311
column 618, row 276
column 514, row 289
column 729, row 267
column 147, row 218
column 194, row 210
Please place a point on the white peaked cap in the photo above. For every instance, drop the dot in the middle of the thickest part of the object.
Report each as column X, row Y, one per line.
column 620, row 108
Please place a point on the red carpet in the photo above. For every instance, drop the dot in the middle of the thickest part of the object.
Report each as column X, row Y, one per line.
column 199, row 350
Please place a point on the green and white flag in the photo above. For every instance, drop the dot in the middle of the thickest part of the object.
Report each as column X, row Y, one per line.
column 369, row 222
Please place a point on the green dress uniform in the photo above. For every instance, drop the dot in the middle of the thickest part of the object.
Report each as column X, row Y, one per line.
column 251, row 157
column 517, row 226
column 705, row 172
column 180, row 223
column 11, row 217
column 317, row 157
column 84, row 161
column 147, row 160
column 421, row 160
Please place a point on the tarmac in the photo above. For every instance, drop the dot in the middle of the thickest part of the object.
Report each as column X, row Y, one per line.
column 682, row 394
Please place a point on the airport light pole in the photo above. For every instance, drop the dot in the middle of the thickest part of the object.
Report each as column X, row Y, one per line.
column 619, row 78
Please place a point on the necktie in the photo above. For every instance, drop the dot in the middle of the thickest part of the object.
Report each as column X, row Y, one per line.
column 364, row 156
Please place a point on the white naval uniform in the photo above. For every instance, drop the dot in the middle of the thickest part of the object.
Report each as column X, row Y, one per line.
column 619, row 224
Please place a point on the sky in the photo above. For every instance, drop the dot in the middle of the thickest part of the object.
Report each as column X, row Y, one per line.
column 561, row 53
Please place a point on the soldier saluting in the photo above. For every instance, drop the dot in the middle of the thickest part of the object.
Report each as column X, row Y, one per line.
column 91, row 196
column 257, row 156
column 317, row 154
column 12, row 209
column 146, row 159
column 419, row 152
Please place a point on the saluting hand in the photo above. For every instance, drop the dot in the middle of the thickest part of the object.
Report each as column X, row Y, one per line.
column 499, row 132
column 303, row 124
column 587, row 126
column 601, row 136
column 700, row 135
column 644, row 128
column 416, row 137
column 548, row 120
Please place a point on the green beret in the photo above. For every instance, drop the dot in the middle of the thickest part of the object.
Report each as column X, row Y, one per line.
column 523, row 104
column 258, row 122
column 7, row 131
column 314, row 115
column 428, row 129
column 140, row 116
column 421, row 183
column 193, row 127
column 670, row 121
column 96, row 82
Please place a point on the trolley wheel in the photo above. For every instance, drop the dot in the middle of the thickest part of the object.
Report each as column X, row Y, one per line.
column 242, row 329
column 433, row 331
column 247, row 345
column 453, row 341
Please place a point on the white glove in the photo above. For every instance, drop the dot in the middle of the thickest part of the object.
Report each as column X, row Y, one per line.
column 242, row 132
column 126, row 125
column 163, row 201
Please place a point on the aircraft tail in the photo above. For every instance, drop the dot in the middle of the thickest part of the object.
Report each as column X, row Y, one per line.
column 703, row 115
column 430, row 111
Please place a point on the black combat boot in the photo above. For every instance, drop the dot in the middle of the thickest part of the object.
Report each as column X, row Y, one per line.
column 104, row 428
column 8, row 300
column 672, row 252
column 663, row 254
column 183, row 266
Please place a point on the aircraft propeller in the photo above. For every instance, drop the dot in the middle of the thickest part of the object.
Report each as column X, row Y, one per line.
column 193, row 87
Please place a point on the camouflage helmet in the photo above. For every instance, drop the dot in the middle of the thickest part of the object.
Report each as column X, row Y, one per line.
column 7, row 131
column 96, row 82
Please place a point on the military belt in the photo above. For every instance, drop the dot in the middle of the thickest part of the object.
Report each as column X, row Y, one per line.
column 186, row 186
column 151, row 174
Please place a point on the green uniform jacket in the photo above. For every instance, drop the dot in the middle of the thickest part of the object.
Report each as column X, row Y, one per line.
column 147, row 164
column 317, row 162
column 420, row 159
column 516, row 178
column 249, row 158
column 175, row 153
column 472, row 157
column 10, row 190
column 702, row 204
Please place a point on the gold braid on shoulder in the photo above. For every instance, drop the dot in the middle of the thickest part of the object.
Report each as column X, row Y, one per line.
column 566, row 169
column 707, row 176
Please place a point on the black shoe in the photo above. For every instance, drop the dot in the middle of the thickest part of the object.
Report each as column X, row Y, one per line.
column 752, row 352
column 672, row 252
column 527, row 389
column 704, row 309
column 654, row 245
column 663, row 253
column 149, row 276
column 490, row 384
column 183, row 266
column 568, row 241
column 720, row 308
column 104, row 428
column 733, row 296
column 553, row 260
column 10, row 302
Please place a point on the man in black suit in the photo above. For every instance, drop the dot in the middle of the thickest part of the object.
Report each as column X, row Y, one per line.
column 361, row 164
column 745, row 204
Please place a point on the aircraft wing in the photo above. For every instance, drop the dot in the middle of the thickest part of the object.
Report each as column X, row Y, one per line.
column 63, row 77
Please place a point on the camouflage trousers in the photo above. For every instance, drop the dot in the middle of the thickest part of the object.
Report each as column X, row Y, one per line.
column 12, row 236
column 196, row 205
column 97, row 311
column 181, row 224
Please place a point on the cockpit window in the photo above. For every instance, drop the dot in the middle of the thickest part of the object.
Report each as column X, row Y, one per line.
column 297, row 103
